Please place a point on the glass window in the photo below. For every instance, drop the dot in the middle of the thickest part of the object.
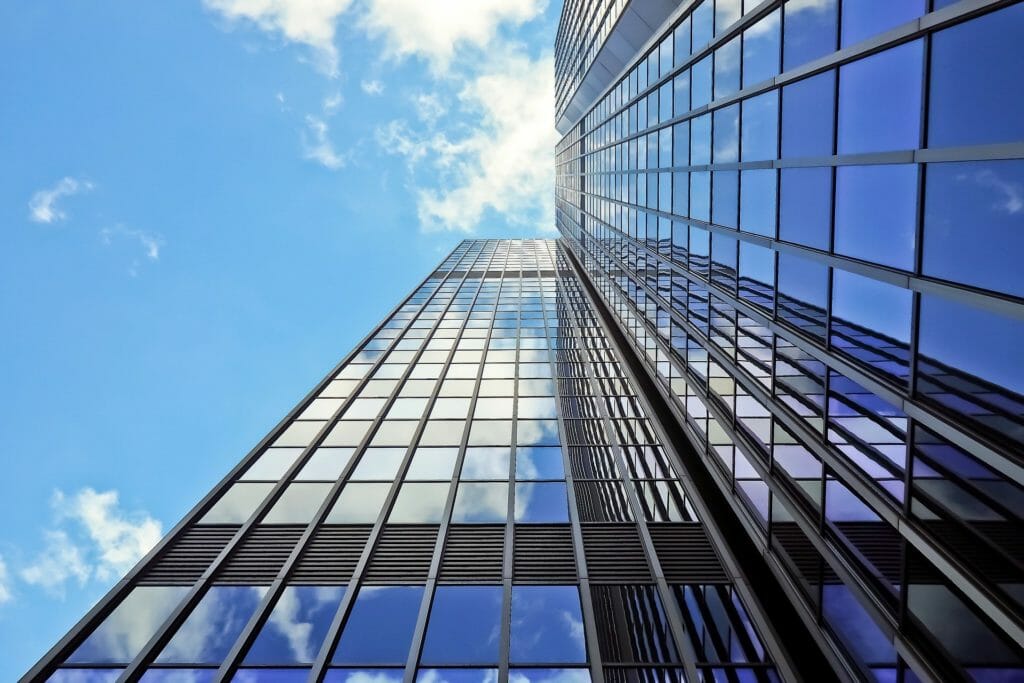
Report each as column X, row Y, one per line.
column 727, row 13
column 537, row 433
column 379, row 626
column 537, row 408
column 725, row 198
column 358, row 504
column 261, row 675
column 347, row 433
column 485, row 463
column 863, row 19
column 805, row 206
column 880, row 101
column 450, row 408
column 727, row 134
column 237, row 504
column 481, row 503
column 419, row 503
column 700, row 83
column 210, row 630
column 703, row 24
column 271, row 464
column 321, row 409
column 969, row 103
column 407, row 408
column 727, row 68
column 490, row 432
column 876, row 211
column 432, row 463
column 811, row 31
column 364, row 408
column 761, row 50
column 621, row 638
column 297, row 504
column 464, row 626
column 296, row 627
column 87, row 676
column 803, row 293
column 361, row 676
column 493, row 408
column 442, row 433
column 539, row 463
column 760, row 127
column 549, row 676
column 757, row 201
column 547, row 625
column 299, row 433
column 325, row 464
column 757, row 274
column 541, row 503
column 378, row 464
column 862, row 309
column 974, row 224
column 807, row 116
column 124, row 632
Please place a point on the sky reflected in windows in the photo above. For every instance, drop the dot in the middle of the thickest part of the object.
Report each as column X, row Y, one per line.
column 485, row 464
column 210, row 630
column 880, row 101
column 542, row 502
column 379, row 626
column 297, row 625
column 464, row 626
column 547, row 625
column 419, row 503
column 539, row 463
column 481, row 503
column 876, row 206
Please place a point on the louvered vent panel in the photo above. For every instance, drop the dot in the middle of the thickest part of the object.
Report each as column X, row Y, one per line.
column 402, row 554
column 794, row 544
column 685, row 554
column 879, row 543
column 331, row 556
column 473, row 553
column 543, row 554
column 188, row 556
column 260, row 555
column 615, row 554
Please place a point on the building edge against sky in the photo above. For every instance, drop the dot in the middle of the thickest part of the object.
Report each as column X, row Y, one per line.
column 804, row 217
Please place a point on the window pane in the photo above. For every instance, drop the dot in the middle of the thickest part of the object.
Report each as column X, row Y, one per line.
column 810, row 29
column 761, row 127
column 726, row 134
column 537, row 433
column 863, row 19
column 863, row 309
column 537, row 408
column 485, row 463
column 974, row 224
column 299, row 433
column 805, row 207
column 457, row 676
column 876, row 211
column 379, row 626
column 493, row 408
column 358, row 504
column 803, row 287
column 419, row 504
column 297, row 625
column 211, row 629
column 549, row 676
column 757, row 201
column 481, row 503
column 85, row 676
column 272, row 464
column 541, row 503
column 432, row 463
column 539, row 463
column 727, row 68
column 378, row 464
column 464, row 626
column 547, row 625
column 725, row 198
column 880, row 101
column 244, row 676
column 761, row 50
column 490, row 432
column 326, row 464
column 297, row 504
column 362, row 676
column 129, row 627
column 969, row 103
column 237, row 504
column 807, row 116
column 700, row 83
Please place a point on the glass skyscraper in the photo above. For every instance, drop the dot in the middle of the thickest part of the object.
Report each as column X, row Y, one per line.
column 757, row 416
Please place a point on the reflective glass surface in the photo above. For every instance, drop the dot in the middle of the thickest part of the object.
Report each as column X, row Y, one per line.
column 210, row 630
column 542, row 502
column 237, row 504
column 880, row 101
column 481, row 503
column 419, row 503
column 297, row 625
column 547, row 625
column 877, row 205
column 539, row 463
column 464, row 626
column 485, row 463
column 379, row 626
column 358, row 503
column 432, row 463
column 297, row 504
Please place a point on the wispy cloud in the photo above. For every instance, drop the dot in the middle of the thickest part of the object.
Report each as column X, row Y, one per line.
column 43, row 207
column 93, row 539
column 149, row 243
column 372, row 86
column 5, row 582
column 317, row 144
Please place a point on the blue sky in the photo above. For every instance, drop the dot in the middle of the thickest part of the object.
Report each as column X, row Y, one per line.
column 204, row 205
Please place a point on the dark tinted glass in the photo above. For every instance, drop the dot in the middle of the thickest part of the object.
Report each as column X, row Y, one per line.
column 805, row 206
column 810, row 29
column 297, row 625
column 970, row 103
column 807, row 116
column 464, row 626
column 632, row 626
column 974, row 224
column 876, row 210
column 880, row 101
column 379, row 626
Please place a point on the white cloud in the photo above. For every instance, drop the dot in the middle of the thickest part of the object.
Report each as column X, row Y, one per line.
column 433, row 30
column 372, row 86
column 318, row 145
column 307, row 22
column 93, row 539
column 429, row 107
column 505, row 163
column 332, row 103
column 5, row 582
column 43, row 205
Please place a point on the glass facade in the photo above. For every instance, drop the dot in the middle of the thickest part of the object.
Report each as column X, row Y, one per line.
column 805, row 218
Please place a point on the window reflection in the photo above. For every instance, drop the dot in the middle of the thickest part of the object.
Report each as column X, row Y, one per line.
column 464, row 626
column 880, row 101
column 810, row 29
column 485, row 463
column 358, row 504
column 547, row 625
column 807, row 116
column 325, row 464
column 805, row 208
column 210, row 630
column 297, row 504
column 379, row 626
column 237, row 504
column 296, row 627
column 877, row 205
column 537, row 433
column 457, row 676
column 539, row 503
column 363, row 676
column 432, row 463
column 272, row 464
column 379, row 464
column 419, row 503
column 481, row 503
column 539, row 463
column 549, row 676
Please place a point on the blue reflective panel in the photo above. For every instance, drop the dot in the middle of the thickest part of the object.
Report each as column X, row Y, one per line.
column 681, row 193
column 726, row 134
column 539, row 463
column 727, row 68
column 854, row 626
column 807, row 116
column 700, row 140
column 457, row 676
column 193, row 676
column 757, row 274
column 700, row 195
column 363, row 676
column 803, row 292
column 681, row 39
column 725, row 198
column 665, row 102
column 880, row 101
column 974, row 224
column 541, row 502
column 681, row 144
column 481, row 503
column 84, row 676
column 727, row 13
column 297, row 625
column 549, row 676
column 485, row 463
column 761, row 50
column 210, row 630
column 969, row 102
column 700, row 83
column 757, row 201
column 464, row 626
column 270, row 676
column 876, row 210
column 547, row 625
column 805, row 206
column 703, row 18
column 681, row 93
column 760, row 127
column 864, row 308
column 129, row 627
column 379, row 626
column 863, row 19
column 810, row 29
column 537, row 433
